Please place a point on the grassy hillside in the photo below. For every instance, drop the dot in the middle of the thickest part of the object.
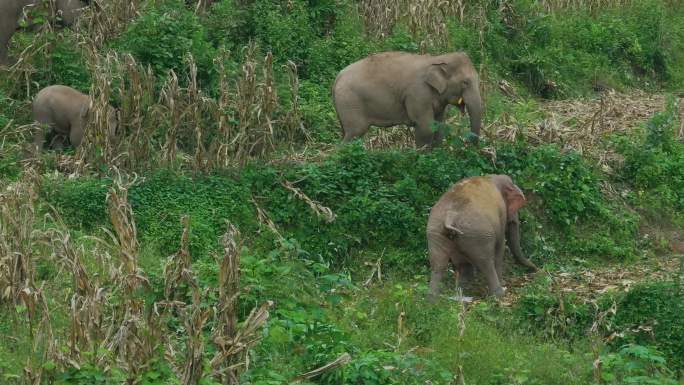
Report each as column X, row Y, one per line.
column 228, row 237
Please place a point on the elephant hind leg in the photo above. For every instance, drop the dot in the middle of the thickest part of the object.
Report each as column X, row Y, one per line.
column 353, row 127
column 465, row 274
column 440, row 248
column 482, row 253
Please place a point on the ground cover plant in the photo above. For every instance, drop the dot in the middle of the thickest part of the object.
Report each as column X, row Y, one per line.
column 227, row 237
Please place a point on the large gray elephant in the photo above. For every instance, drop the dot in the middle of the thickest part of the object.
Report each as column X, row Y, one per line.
column 64, row 111
column 10, row 11
column 393, row 88
column 468, row 225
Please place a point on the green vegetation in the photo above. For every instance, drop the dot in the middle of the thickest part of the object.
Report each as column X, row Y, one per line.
column 227, row 121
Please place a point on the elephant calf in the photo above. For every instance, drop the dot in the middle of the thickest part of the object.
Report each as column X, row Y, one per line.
column 393, row 88
column 65, row 111
column 467, row 226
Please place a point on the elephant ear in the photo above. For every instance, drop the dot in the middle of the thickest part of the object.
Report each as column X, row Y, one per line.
column 515, row 199
column 437, row 77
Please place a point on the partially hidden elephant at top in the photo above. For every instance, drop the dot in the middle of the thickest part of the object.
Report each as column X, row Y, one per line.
column 392, row 88
column 10, row 11
column 65, row 111
column 468, row 226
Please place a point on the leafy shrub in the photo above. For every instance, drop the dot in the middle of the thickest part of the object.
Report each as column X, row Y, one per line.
column 654, row 164
column 80, row 202
column 227, row 24
column 285, row 30
column 567, row 185
column 562, row 54
column 635, row 364
column 329, row 54
column 164, row 35
column 657, row 307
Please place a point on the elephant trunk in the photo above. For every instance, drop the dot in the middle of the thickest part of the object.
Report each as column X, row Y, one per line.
column 473, row 104
column 513, row 241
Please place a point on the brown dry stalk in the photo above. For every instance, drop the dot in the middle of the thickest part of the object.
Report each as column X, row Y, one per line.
column 256, row 101
column 87, row 305
column 340, row 361
column 17, row 218
column 221, row 148
column 195, row 320
column 133, row 336
column 600, row 322
column 461, row 314
column 293, row 125
column 138, row 120
column 237, row 345
column 264, row 218
column 44, row 346
column 121, row 217
column 230, row 340
column 178, row 268
column 20, row 74
column 402, row 330
column 320, row 210
column 583, row 5
column 97, row 146
column 104, row 20
column 390, row 137
column 427, row 20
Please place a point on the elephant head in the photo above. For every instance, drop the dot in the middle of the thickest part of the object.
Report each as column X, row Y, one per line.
column 456, row 81
column 112, row 120
column 511, row 193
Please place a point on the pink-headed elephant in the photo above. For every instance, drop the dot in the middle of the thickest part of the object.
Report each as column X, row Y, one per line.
column 469, row 227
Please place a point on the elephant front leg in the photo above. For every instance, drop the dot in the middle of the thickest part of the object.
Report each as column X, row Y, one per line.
column 38, row 137
column 422, row 115
column 438, row 135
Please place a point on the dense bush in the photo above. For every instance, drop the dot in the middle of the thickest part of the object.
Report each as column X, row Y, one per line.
column 381, row 200
column 164, row 35
column 563, row 54
column 650, row 314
